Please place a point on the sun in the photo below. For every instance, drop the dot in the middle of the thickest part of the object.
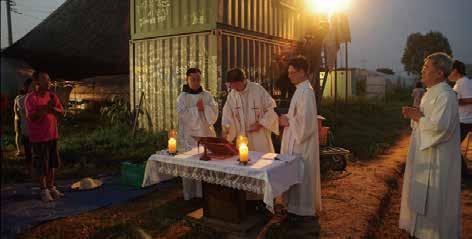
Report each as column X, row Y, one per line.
column 327, row 6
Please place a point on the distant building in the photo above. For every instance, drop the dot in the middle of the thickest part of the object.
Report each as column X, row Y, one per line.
column 361, row 82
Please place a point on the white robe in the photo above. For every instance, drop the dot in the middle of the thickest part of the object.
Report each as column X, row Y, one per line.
column 242, row 109
column 301, row 137
column 430, row 204
column 193, row 122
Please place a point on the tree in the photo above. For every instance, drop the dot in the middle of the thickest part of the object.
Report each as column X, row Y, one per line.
column 385, row 70
column 419, row 46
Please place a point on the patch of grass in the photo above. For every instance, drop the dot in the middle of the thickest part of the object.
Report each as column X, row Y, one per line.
column 366, row 127
column 8, row 140
column 89, row 145
column 101, row 150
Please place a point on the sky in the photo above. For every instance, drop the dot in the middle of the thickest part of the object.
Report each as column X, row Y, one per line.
column 33, row 12
column 379, row 28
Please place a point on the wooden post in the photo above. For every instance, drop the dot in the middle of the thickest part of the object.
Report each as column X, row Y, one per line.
column 10, row 37
column 347, row 73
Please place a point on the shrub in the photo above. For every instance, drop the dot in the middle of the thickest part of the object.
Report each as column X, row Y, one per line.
column 117, row 112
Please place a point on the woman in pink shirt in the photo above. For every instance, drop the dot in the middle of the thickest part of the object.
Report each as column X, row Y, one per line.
column 42, row 110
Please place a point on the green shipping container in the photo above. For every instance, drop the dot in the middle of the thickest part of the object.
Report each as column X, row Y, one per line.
column 156, row 18
column 170, row 36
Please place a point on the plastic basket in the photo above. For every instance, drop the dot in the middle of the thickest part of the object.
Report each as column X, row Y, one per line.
column 132, row 174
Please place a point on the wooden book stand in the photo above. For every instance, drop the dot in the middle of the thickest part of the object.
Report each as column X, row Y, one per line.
column 216, row 148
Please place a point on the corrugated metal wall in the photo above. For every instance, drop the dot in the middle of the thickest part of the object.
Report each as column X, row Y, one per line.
column 271, row 17
column 159, row 67
column 153, row 18
column 257, row 56
column 159, row 71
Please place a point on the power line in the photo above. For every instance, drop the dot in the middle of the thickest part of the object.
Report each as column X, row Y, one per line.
column 25, row 14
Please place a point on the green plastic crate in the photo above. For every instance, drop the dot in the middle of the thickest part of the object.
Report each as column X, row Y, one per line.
column 132, row 174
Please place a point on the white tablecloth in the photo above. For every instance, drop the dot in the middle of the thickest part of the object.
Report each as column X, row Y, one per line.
column 263, row 175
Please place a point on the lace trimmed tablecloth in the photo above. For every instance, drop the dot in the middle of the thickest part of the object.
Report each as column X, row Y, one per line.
column 263, row 174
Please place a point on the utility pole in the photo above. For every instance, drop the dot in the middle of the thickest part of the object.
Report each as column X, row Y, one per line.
column 10, row 37
column 347, row 73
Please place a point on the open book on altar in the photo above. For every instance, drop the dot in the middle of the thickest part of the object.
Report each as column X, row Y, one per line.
column 216, row 148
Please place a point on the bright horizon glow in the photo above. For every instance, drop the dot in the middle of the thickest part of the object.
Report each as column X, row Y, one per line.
column 327, row 6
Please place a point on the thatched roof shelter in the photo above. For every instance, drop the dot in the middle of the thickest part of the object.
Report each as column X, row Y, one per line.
column 101, row 88
column 81, row 38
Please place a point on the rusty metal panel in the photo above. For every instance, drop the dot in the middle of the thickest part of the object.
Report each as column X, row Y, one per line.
column 154, row 18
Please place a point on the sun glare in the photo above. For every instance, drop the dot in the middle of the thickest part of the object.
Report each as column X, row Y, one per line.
column 327, row 6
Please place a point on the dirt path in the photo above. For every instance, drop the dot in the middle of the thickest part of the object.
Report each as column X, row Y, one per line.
column 366, row 203
column 351, row 204
column 388, row 223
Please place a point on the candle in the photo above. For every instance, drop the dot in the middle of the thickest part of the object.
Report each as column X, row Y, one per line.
column 241, row 140
column 172, row 146
column 243, row 153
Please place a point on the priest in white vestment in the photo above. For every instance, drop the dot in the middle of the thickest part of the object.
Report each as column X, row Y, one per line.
column 300, row 136
column 430, row 203
column 197, row 112
column 249, row 111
